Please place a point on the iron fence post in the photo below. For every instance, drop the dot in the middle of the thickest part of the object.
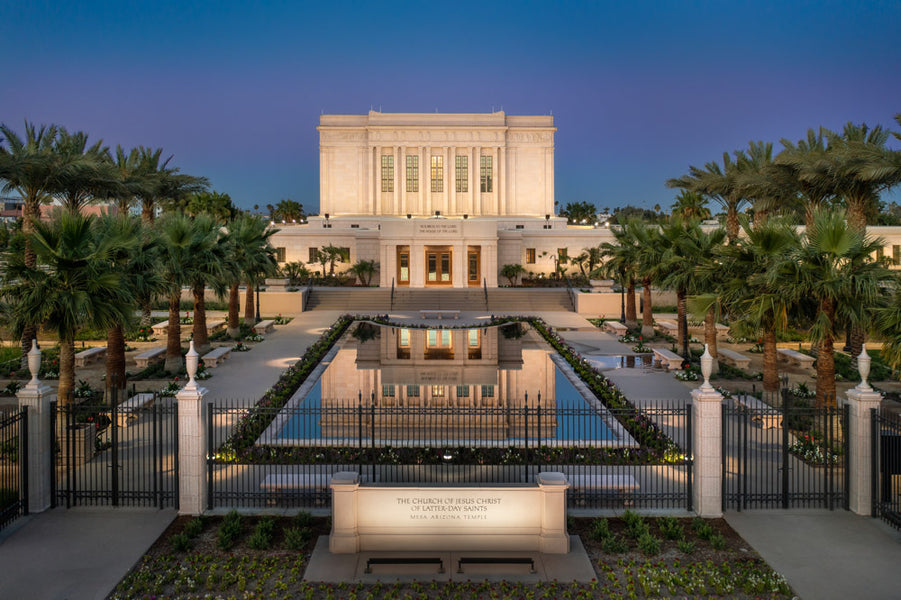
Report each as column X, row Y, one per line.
column 53, row 457
column 210, row 455
column 690, row 458
column 114, row 456
column 23, row 459
column 785, row 479
column 875, row 491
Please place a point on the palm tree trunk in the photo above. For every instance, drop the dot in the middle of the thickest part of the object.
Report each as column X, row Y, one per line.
column 647, row 312
column 249, row 315
column 710, row 337
column 234, row 305
column 66, row 371
column 631, row 316
column 732, row 225
column 826, row 360
column 31, row 208
column 147, row 215
column 770, row 364
column 174, row 362
column 682, row 325
column 115, row 363
column 200, row 336
column 858, row 338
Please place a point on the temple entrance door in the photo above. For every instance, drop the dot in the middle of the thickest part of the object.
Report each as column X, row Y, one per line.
column 403, row 265
column 474, row 266
column 438, row 270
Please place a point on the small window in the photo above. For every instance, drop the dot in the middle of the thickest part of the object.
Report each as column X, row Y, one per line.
column 412, row 173
column 387, row 173
column 473, row 338
column 413, row 391
column 530, row 256
column 562, row 254
column 896, row 255
column 280, row 255
column 314, row 255
column 487, row 391
column 344, row 255
column 437, row 391
column 354, row 225
column 437, row 173
column 520, row 226
column 462, row 391
column 404, row 337
column 462, row 174
column 388, row 391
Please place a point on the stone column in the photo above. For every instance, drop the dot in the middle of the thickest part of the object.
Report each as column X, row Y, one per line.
column 344, row 537
column 450, row 207
column 707, row 444
column 36, row 397
column 476, row 181
column 861, row 401
column 192, row 442
column 500, row 173
column 400, row 182
column 553, row 538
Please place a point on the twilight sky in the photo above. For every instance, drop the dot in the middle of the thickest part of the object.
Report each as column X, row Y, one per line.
column 638, row 90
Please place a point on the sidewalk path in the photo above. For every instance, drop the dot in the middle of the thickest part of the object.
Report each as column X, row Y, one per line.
column 826, row 554
column 76, row 554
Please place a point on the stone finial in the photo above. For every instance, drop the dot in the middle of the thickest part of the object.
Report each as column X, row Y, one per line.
column 863, row 366
column 34, row 364
column 191, row 361
column 706, row 368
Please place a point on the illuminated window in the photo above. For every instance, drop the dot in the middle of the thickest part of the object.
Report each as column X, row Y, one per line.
column 437, row 173
column 280, row 255
column 487, row 174
column 438, row 338
column 473, row 338
column 462, row 173
column 562, row 254
column 314, row 255
column 387, row 173
column 437, row 391
column 412, row 173
column 530, row 256
column 896, row 254
column 404, row 337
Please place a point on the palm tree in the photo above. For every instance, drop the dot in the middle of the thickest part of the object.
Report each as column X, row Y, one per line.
column 75, row 285
column 364, row 270
column 756, row 301
column 86, row 172
column 287, row 210
column 164, row 183
column 30, row 167
column 720, row 184
column 621, row 265
column 805, row 162
column 835, row 269
column 690, row 205
column 210, row 268
column 766, row 186
column 646, row 268
column 512, row 271
column 182, row 239
column 252, row 255
column 888, row 324
column 137, row 266
column 703, row 248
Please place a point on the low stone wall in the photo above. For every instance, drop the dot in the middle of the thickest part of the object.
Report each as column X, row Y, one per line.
column 495, row 518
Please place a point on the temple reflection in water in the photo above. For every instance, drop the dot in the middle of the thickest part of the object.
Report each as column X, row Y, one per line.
column 460, row 374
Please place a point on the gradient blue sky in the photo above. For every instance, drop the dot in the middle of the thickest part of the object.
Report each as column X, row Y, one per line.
column 639, row 90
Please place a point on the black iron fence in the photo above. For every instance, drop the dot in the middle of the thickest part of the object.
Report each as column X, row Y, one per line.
column 120, row 455
column 13, row 466
column 787, row 457
column 886, row 436
column 262, row 456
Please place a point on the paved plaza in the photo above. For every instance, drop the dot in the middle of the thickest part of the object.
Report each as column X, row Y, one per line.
column 83, row 552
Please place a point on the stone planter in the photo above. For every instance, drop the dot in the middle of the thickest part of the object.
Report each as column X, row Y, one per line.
column 601, row 285
column 77, row 443
column 276, row 285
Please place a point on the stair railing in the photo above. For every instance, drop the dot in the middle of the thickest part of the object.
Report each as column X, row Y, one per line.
column 306, row 297
column 572, row 292
column 485, row 287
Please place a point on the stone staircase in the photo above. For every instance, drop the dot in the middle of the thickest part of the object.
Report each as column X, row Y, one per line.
column 499, row 299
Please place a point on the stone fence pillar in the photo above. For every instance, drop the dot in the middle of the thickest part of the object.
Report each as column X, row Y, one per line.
column 707, row 444
column 37, row 396
column 192, row 442
column 861, row 401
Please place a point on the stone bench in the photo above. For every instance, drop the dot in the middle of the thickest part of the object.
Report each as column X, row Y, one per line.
column 438, row 314
column 264, row 327
column 161, row 328
column 615, row 327
column 148, row 357
column 761, row 413
column 215, row 356
column 670, row 359
column 88, row 356
column 590, row 484
column 214, row 326
column 278, row 487
column 733, row 358
column 129, row 409
column 795, row 357
column 668, row 327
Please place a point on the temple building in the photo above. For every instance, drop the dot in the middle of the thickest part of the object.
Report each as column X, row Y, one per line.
column 445, row 200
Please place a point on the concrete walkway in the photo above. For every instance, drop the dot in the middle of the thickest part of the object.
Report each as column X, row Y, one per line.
column 826, row 554
column 76, row 554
